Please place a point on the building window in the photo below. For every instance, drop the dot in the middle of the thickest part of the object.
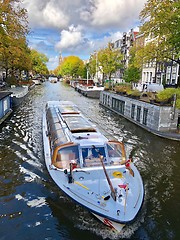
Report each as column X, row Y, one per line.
column 138, row 117
column 108, row 101
column 5, row 103
column 145, row 114
column 118, row 105
column 121, row 107
column 113, row 103
column 150, row 77
column 104, row 98
column 132, row 110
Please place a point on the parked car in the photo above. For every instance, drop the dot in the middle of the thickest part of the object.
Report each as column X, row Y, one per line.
column 154, row 87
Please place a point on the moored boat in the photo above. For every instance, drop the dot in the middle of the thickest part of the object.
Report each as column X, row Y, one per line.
column 53, row 79
column 89, row 168
column 18, row 94
column 90, row 91
column 87, row 87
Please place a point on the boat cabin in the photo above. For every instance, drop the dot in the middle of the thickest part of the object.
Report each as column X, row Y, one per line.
column 75, row 140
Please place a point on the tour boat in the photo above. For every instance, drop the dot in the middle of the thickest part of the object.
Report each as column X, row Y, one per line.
column 90, row 169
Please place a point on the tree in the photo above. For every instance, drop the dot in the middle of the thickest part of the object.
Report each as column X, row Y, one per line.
column 13, row 19
column 106, row 60
column 13, row 30
column 110, row 60
column 72, row 66
column 92, row 65
column 56, row 71
column 24, row 60
column 133, row 72
column 161, row 22
column 39, row 61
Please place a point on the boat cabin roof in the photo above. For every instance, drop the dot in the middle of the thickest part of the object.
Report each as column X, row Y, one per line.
column 67, row 124
column 77, row 124
column 68, row 109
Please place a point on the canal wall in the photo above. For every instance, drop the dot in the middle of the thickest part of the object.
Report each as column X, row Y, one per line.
column 154, row 118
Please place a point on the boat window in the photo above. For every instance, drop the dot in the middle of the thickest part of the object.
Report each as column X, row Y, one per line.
column 91, row 156
column 66, row 155
column 114, row 152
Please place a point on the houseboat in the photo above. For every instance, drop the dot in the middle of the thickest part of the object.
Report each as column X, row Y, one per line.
column 5, row 106
column 161, row 120
column 90, row 169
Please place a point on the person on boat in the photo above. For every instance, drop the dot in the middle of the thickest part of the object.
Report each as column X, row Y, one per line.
column 92, row 154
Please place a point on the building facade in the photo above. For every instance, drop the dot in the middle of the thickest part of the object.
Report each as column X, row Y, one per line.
column 160, row 73
column 124, row 45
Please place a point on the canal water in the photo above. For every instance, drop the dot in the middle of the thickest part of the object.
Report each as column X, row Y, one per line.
column 31, row 205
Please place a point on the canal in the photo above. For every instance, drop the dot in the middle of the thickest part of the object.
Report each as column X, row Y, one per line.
column 31, row 205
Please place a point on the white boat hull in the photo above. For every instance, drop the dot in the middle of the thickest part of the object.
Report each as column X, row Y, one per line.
column 88, row 185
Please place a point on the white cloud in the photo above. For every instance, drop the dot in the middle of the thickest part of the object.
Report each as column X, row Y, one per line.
column 97, row 13
column 81, row 26
column 70, row 38
column 46, row 14
column 53, row 62
column 54, row 17
column 116, row 13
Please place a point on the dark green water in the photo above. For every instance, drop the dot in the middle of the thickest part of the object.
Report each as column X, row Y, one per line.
column 31, row 205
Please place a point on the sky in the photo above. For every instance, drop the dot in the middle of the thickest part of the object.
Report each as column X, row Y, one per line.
column 78, row 27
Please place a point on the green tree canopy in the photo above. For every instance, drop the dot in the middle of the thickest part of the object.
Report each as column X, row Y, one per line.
column 92, row 65
column 13, row 30
column 110, row 60
column 72, row 66
column 39, row 61
column 132, row 73
column 161, row 22
column 106, row 60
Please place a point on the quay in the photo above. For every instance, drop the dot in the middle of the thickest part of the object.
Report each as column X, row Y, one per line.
column 159, row 120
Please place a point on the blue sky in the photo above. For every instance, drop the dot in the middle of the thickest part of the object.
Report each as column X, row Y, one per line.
column 78, row 27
